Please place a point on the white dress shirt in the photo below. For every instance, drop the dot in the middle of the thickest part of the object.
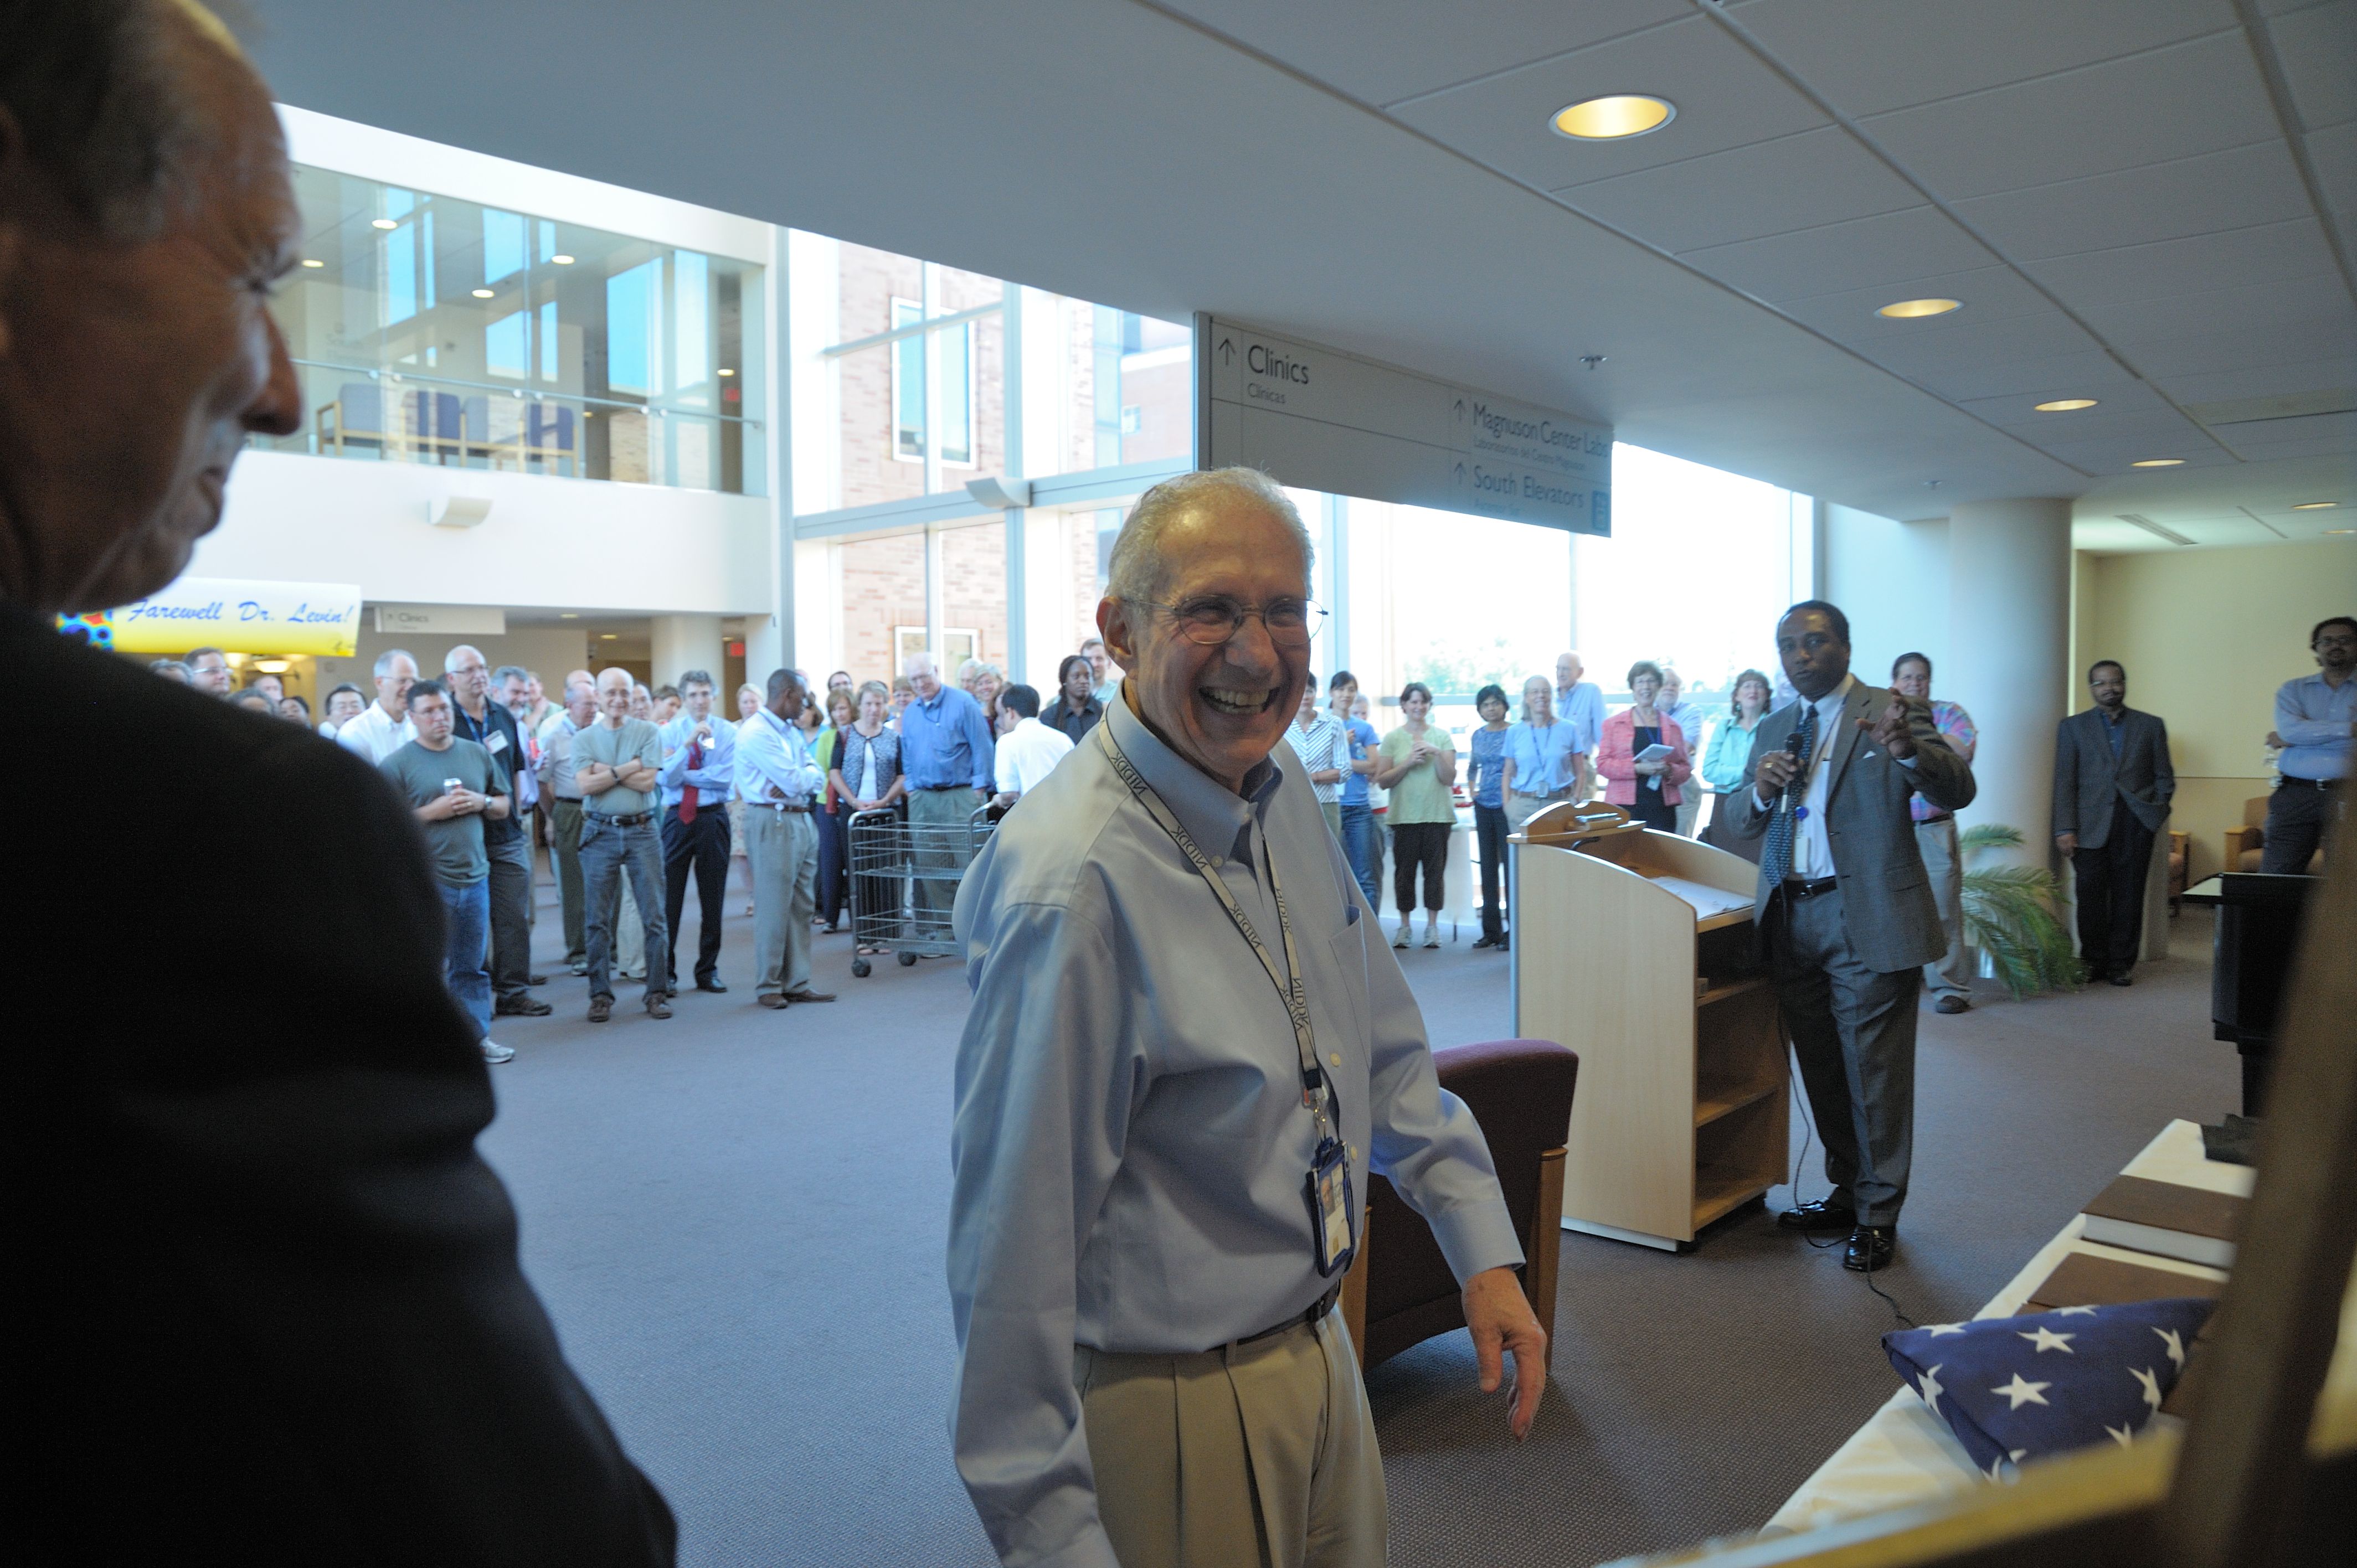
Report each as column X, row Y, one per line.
column 1028, row 754
column 773, row 762
column 374, row 737
column 1812, row 851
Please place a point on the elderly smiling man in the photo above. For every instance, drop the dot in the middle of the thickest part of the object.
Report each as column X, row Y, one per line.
column 1183, row 1058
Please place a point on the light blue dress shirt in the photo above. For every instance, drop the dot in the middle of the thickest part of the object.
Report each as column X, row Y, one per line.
column 712, row 781
column 771, row 751
column 945, row 744
column 1129, row 1142
column 2313, row 721
column 1542, row 756
column 1584, row 706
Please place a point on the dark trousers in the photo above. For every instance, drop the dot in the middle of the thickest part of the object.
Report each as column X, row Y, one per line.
column 1490, row 828
column 510, row 894
column 701, row 845
column 1854, row 1034
column 2111, row 893
column 1414, row 844
column 2297, row 814
column 833, row 864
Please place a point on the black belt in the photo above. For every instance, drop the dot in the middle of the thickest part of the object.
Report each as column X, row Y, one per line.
column 942, row 789
column 2313, row 783
column 638, row 821
column 776, row 805
column 1308, row 1315
column 1796, row 888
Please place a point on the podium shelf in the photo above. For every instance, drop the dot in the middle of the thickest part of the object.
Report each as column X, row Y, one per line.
column 1718, row 1191
column 1716, row 1101
column 1748, row 984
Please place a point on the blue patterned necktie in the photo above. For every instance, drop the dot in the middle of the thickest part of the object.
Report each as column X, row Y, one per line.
column 1776, row 856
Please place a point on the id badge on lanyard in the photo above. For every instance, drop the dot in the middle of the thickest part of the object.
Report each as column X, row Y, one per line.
column 1332, row 1214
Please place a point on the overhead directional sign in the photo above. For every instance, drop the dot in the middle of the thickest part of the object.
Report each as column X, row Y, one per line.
column 1319, row 419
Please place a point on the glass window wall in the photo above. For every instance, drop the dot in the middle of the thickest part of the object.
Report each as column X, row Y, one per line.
column 432, row 331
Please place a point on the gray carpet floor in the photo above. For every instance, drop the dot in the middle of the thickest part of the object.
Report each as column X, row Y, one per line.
column 737, row 1218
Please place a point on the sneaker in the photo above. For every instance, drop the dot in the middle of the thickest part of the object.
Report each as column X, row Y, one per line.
column 495, row 1053
column 1399, row 938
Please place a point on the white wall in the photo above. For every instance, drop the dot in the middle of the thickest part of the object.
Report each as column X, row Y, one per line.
column 548, row 542
column 1892, row 580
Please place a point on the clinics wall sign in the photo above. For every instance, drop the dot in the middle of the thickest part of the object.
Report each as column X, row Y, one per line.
column 317, row 618
column 1319, row 419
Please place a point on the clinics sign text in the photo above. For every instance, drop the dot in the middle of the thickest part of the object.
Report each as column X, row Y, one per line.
column 1321, row 419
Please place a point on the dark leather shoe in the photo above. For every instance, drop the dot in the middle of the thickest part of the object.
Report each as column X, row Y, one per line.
column 807, row 994
column 536, row 979
column 522, row 1008
column 658, row 1004
column 2124, row 978
column 1953, row 1004
column 600, row 1009
column 1870, row 1247
column 773, row 999
column 710, row 983
column 1818, row 1215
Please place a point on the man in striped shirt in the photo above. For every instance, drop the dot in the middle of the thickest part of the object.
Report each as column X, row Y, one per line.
column 1947, row 976
column 1325, row 749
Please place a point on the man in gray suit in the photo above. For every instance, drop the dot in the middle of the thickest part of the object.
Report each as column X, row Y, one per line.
column 2112, row 784
column 1845, row 910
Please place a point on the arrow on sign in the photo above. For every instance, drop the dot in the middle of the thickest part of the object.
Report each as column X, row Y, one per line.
column 1461, row 473
column 1461, row 408
column 1227, row 350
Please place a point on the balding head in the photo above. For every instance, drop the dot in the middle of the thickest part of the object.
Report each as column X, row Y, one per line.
column 923, row 677
column 144, row 209
column 614, row 688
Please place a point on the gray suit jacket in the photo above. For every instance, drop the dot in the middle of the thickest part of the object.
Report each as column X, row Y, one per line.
column 2085, row 780
column 1887, row 906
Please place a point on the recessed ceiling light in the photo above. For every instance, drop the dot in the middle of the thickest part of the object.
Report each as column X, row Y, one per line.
column 310, row 262
column 725, row 372
column 2313, row 506
column 609, row 636
column 2340, row 531
column 2157, row 462
column 383, row 223
column 1611, row 118
column 1909, row 309
column 567, row 615
column 482, row 294
column 2066, row 404
column 562, row 260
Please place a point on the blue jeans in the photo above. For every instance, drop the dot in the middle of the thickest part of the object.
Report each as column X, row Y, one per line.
column 469, row 908
column 1358, row 842
column 608, row 854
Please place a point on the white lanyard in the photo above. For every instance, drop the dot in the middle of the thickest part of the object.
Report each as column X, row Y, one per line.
column 1288, row 985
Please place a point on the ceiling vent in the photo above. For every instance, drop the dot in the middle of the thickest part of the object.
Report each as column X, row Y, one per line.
column 2153, row 528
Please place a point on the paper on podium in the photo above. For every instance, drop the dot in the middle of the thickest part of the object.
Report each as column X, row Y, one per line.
column 1706, row 900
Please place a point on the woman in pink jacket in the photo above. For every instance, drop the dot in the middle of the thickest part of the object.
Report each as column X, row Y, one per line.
column 1649, row 790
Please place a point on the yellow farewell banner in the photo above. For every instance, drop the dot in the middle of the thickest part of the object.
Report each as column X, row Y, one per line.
column 317, row 618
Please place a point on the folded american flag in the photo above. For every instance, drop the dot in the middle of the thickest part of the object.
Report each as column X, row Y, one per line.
column 2025, row 1388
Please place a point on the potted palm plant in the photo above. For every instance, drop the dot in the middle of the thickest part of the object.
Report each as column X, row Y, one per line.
column 2012, row 915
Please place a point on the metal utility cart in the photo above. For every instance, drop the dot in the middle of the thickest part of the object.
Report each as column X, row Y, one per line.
column 904, row 880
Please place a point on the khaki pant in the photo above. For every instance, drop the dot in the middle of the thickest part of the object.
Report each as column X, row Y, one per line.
column 1252, row 1453
column 784, row 850
column 1947, row 974
column 1521, row 808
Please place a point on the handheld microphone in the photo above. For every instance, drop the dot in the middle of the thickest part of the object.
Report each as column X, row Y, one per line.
column 1799, row 784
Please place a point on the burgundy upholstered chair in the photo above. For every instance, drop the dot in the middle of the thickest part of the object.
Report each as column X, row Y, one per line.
column 1400, row 1292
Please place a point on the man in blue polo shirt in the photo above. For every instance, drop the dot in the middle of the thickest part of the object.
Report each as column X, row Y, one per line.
column 2316, row 717
column 946, row 756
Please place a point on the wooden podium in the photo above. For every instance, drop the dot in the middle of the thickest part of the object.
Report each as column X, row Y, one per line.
column 1634, row 948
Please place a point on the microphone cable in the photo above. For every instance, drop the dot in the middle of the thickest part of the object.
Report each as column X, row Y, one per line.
column 1808, row 1128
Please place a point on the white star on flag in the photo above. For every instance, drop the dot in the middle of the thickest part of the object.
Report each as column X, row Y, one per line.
column 2047, row 1339
column 2123, row 1435
column 2151, row 1385
column 2021, row 1391
column 2176, row 1343
column 1932, row 1389
column 2075, row 1312
column 1936, row 1330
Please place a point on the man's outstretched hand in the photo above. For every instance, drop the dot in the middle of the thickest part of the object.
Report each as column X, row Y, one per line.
column 1502, row 1322
column 1889, row 728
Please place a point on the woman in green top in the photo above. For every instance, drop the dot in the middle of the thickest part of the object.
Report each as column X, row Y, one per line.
column 1418, row 765
column 1729, row 753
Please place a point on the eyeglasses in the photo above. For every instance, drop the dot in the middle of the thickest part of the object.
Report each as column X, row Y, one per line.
column 1211, row 621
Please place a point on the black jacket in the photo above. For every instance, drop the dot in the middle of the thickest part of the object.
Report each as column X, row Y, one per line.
column 268, row 1304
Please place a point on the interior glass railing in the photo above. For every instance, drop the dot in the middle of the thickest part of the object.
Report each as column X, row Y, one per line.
column 404, row 415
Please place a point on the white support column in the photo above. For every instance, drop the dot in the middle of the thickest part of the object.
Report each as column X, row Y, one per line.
column 2009, row 648
column 686, row 642
column 770, row 639
column 1015, row 539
